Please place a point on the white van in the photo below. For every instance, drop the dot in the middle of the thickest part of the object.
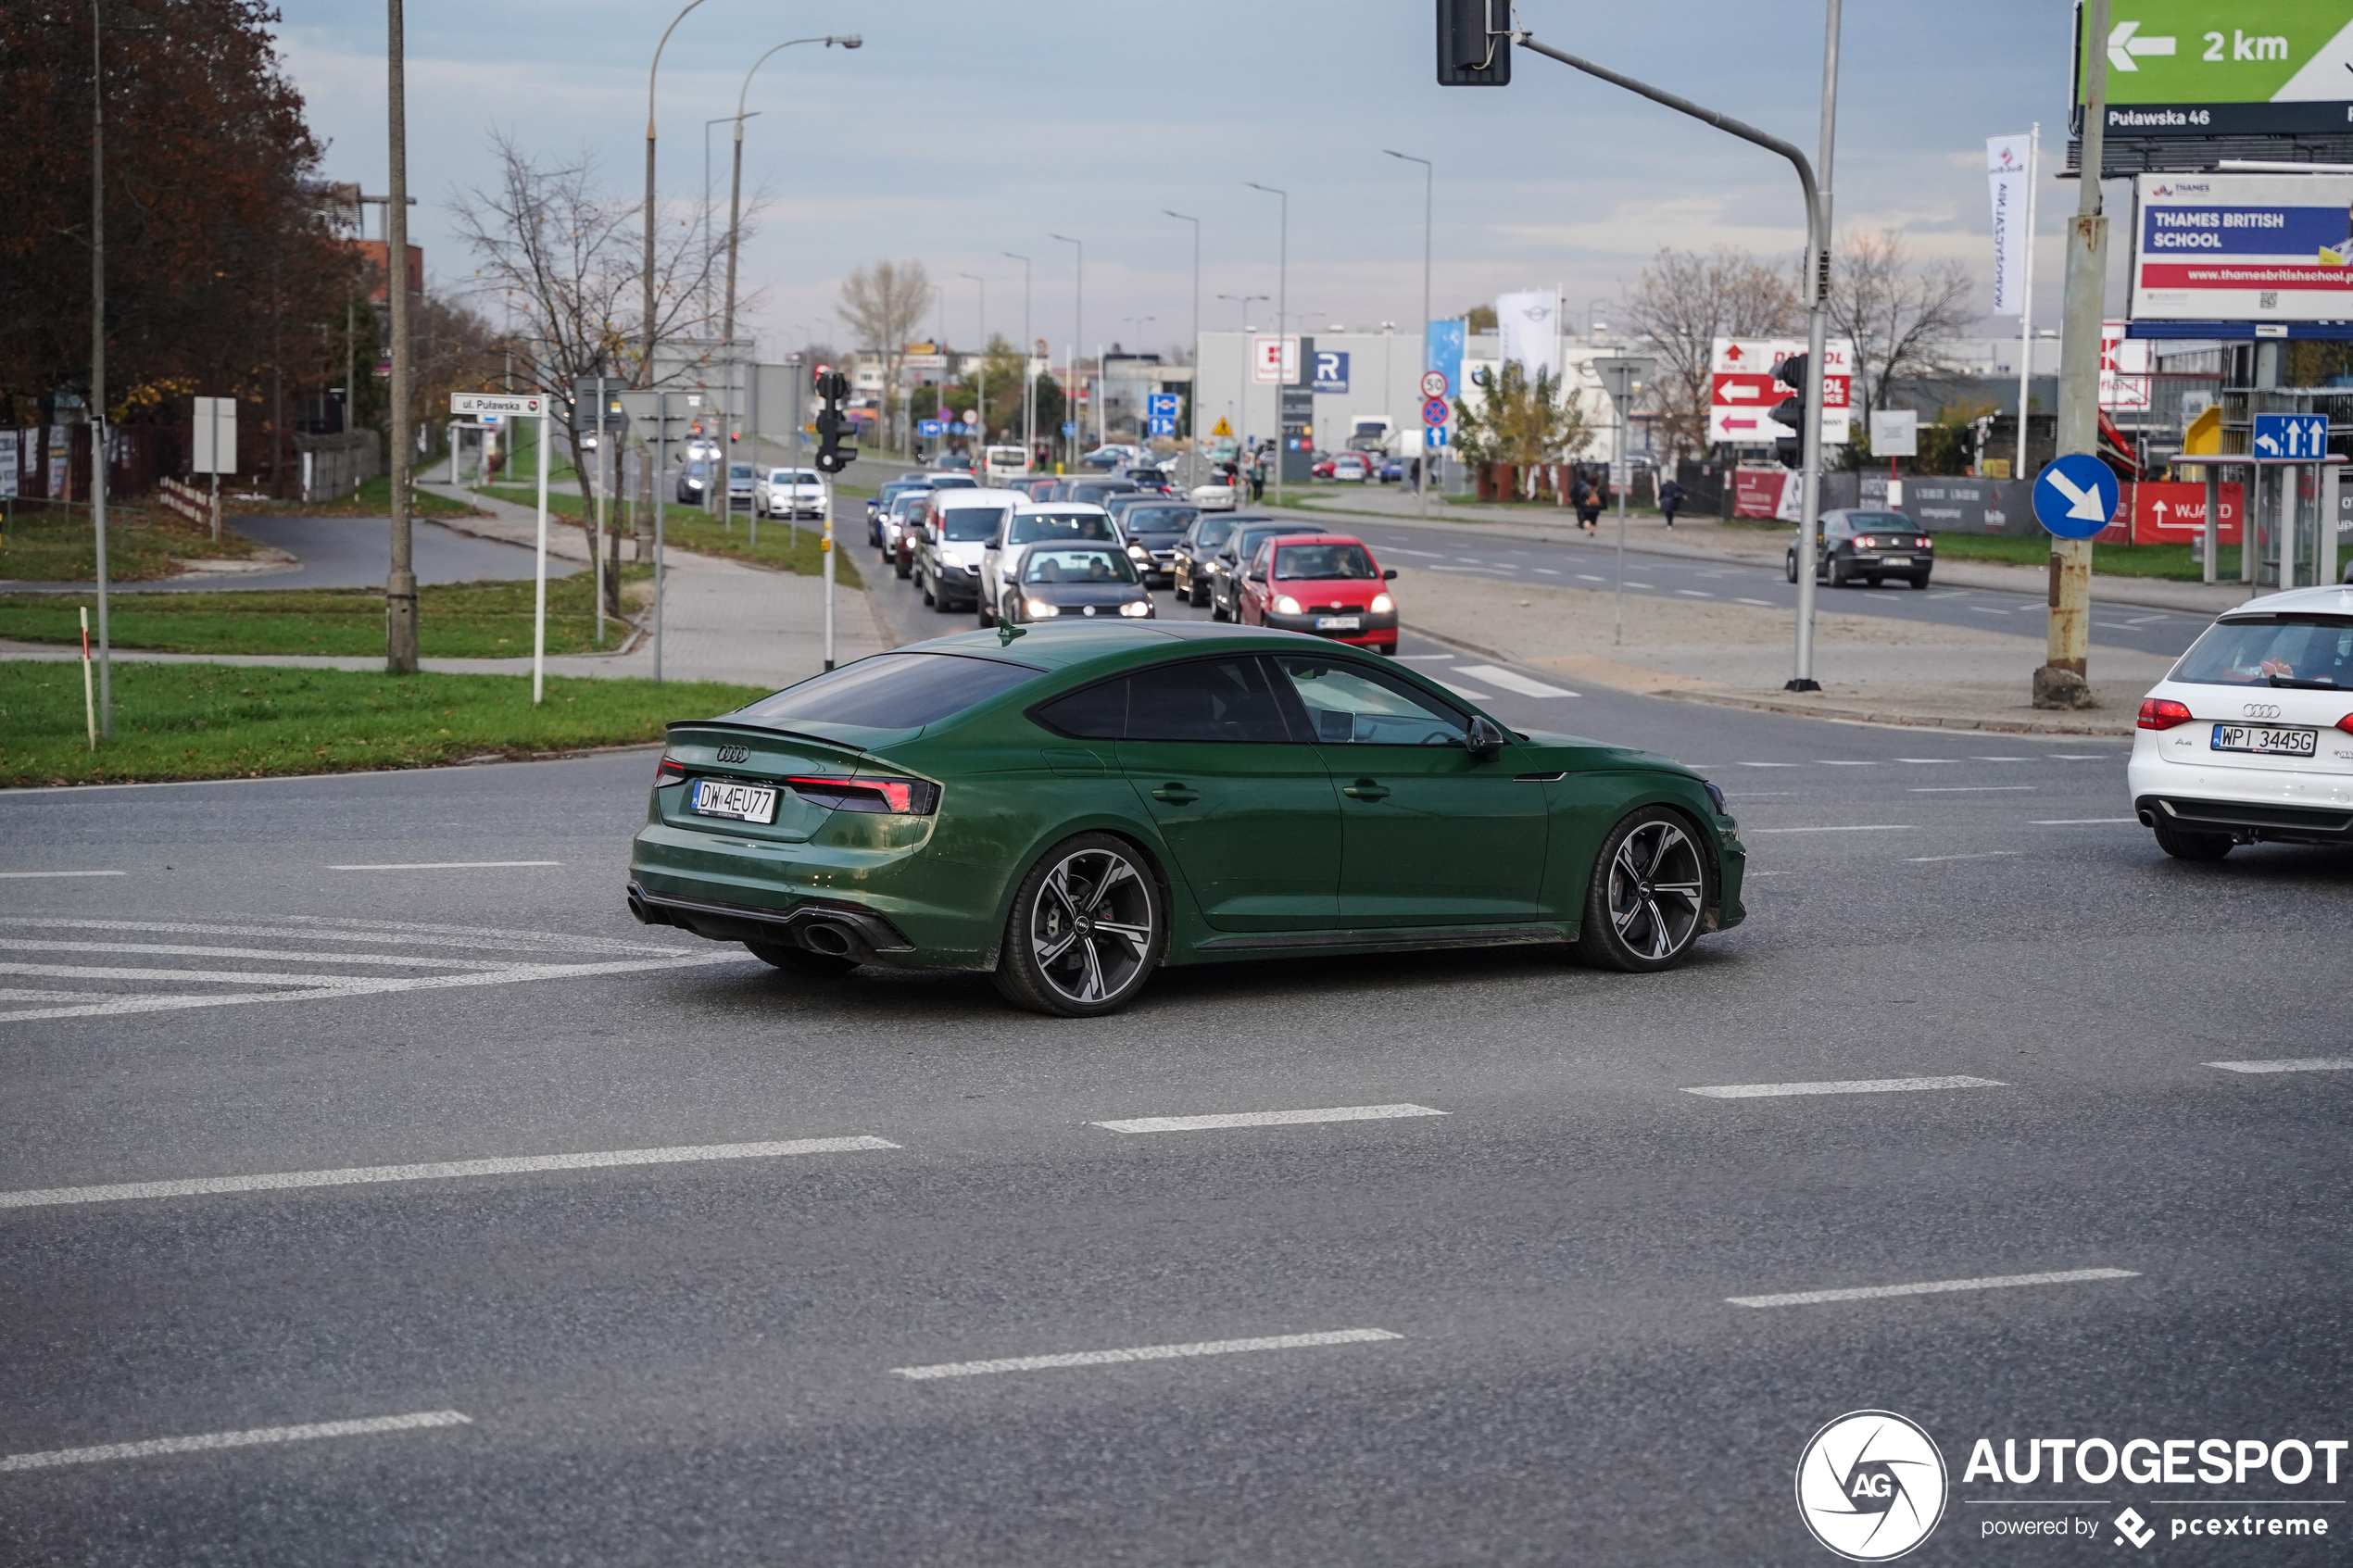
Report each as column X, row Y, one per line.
column 1002, row 465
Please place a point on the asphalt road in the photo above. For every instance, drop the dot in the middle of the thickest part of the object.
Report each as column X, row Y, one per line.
column 1511, row 1331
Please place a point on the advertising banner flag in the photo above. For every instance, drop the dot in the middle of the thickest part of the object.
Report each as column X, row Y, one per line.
column 1528, row 325
column 1444, row 350
column 2242, row 247
column 2006, row 173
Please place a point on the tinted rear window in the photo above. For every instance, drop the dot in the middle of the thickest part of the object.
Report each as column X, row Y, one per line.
column 1208, row 700
column 968, row 525
column 891, row 691
column 2314, row 649
column 1159, row 520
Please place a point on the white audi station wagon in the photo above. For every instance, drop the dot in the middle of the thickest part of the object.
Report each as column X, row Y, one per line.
column 2249, row 738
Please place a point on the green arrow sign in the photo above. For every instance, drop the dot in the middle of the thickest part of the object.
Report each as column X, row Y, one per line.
column 2201, row 68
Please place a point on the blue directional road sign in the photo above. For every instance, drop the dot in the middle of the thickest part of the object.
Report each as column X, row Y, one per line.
column 2075, row 495
column 1069, row 428
column 927, row 427
column 1162, row 427
column 1438, row 436
column 2291, row 437
column 1160, row 406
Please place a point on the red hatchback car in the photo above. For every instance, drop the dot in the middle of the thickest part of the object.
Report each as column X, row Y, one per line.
column 1325, row 583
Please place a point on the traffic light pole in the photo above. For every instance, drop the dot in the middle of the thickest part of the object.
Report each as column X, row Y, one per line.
column 1818, row 214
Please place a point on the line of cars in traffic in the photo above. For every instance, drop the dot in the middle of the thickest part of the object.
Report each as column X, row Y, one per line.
column 1062, row 545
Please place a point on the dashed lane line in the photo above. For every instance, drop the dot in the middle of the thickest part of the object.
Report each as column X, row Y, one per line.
column 252, row 1437
column 444, row 865
column 2081, row 821
column 1982, row 855
column 188, row 951
column 1265, row 1118
column 1853, row 827
column 2292, row 1065
column 1931, row 1288
column 1847, row 1087
column 446, row 1170
column 1145, row 1353
column 1967, row 789
column 310, row 928
column 1511, row 680
column 61, row 874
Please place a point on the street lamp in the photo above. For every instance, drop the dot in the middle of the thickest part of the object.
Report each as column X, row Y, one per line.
column 1282, row 333
column 647, row 370
column 736, row 188
column 706, row 206
column 981, row 413
column 1193, row 451
column 1028, row 388
column 1242, row 393
column 1077, row 324
column 1430, row 182
column 1103, row 397
column 1591, row 326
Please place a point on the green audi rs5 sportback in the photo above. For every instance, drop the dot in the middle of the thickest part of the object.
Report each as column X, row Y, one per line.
column 1070, row 806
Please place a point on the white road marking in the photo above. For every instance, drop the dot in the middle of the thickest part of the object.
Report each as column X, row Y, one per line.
column 1265, row 1118
column 1764, row 764
column 319, row 987
column 1931, row 1287
column 15, row 994
column 1145, row 1353
column 1549, row 570
column 246, row 1439
column 310, row 928
column 1988, row 609
column 446, row 865
column 2002, row 759
column 1931, row 860
column 1401, row 550
column 1588, row 577
column 1474, row 560
column 63, row 873
column 1927, row 761
column 1966, row 789
column 1429, row 657
column 1858, row 827
column 2083, row 821
column 1767, row 603
column 1460, row 690
column 2298, row 1064
column 1851, row 1087
column 1844, row 762
column 1511, row 680
column 446, row 1170
column 1695, row 594
column 181, row 950
column 1632, row 583
column 2079, row 756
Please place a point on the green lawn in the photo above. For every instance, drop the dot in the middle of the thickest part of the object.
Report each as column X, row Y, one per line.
column 454, row 621
column 213, row 721
column 374, row 499
column 51, row 544
column 2111, row 560
column 690, row 528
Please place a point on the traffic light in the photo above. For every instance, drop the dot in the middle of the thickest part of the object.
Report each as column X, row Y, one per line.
column 1790, row 411
column 834, row 429
column 1473, row 42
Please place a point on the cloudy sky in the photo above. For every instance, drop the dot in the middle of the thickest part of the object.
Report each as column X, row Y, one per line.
column 963, row 131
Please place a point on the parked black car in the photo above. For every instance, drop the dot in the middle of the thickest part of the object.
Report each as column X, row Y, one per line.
column 1868, row 546
column 1154, row 525
column 1190, row 569
column 1225, row 566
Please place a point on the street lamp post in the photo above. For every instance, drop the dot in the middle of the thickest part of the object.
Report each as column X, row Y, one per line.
column 1241, row 390
column 647, row 370
column 1102, row 399
column 1028, row 386
column 1192, row 445
column 1429, row 182
column 1593, row 326
column 981, row 414
column 1282, row 333
column 706, row 205
column 1077, row 326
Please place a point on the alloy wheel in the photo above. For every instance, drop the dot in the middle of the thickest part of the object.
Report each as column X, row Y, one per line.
column 1091, row 926
column 1656, row 890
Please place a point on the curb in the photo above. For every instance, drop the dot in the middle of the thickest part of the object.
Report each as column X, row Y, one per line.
column 2114, row 729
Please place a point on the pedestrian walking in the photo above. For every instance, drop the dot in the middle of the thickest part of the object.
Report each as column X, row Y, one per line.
column 1586, row 497
column 1670, row 500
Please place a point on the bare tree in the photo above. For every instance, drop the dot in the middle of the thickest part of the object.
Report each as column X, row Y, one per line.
column 569, row 254
column 882, row 302
column 1684, row 302
column 1901, row 316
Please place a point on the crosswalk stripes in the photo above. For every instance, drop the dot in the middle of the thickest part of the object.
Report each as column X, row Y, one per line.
column 106, row 966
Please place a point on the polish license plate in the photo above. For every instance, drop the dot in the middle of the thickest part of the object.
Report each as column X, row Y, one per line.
column 740, row 802
column 1339, row 623
column 2267, row 740
column 1896, row 560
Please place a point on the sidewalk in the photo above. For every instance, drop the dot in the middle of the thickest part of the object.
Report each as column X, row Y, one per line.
column 1874, row 668
column 1707, row 538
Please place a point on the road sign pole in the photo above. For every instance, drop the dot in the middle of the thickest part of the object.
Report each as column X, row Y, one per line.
column 2063, row 682
column 826, row 547
column 597, row 546
column 661, row 508
column 539, row 571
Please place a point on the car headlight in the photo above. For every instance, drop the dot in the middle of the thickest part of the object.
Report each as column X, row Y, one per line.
column 1382, row 604
column 1286, row 605
column 1137, row 552
column 1137, row 607
column 1039, row 608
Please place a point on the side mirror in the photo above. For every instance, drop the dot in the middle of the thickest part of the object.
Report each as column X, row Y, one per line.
column 1485, row 739
column 1388, row 574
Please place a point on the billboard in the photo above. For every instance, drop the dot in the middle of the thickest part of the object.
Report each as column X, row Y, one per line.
column 2242, row 247
column 1743, row 392
column 2224, row 67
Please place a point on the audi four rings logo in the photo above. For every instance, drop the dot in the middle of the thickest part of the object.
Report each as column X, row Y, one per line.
column 1870, row 1485
column 735, row 754
column 2261, row 710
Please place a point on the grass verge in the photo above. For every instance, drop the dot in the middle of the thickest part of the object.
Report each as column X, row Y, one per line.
column 56, row 544
column 217, row 721
column 2169, row 562
column 690, row 528
column 373, row 498
column 454, row 621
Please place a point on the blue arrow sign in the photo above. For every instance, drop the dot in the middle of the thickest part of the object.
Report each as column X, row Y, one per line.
column 2291, row 437
column 2075, row 495
column 1162, row 426
column 927, row 427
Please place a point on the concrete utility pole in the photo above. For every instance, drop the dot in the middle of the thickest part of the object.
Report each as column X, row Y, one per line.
column 1077, row 324
column 1421, row 463
column 400, row 583
column 647, row 370
column 1282, row 329
column 2063, row 681
column 980, row 415
column 98, row 360
column 1028, row 381
column 1192, row 421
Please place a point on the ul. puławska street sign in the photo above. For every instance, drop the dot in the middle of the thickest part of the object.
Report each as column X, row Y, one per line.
column 2224, row 67
column 525, row 404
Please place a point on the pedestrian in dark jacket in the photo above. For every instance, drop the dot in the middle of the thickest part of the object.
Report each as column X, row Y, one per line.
column 1586, row 497
column 1670, row 500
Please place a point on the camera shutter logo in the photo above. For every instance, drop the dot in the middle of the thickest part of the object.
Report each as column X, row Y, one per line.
column 1870, row 1485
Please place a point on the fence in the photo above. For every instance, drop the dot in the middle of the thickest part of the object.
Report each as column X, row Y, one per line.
column 337, row 465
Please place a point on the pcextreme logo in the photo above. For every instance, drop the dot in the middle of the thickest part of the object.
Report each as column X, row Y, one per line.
column 1870, row 1485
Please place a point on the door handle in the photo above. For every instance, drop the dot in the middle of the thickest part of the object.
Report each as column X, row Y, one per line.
column 1365, row 789
column 1175, row 793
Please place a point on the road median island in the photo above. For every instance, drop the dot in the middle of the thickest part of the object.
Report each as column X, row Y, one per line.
column 181, row 722
column 46, row 542
column 1874, row 668
column 783, row 546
